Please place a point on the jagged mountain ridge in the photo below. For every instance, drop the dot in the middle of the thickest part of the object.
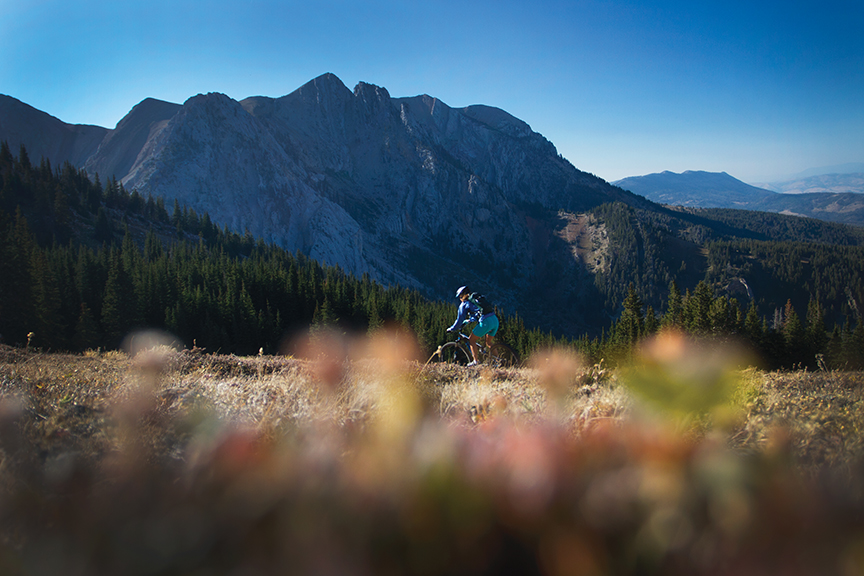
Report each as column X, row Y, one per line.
column 120, row 148
column 412, row 191
column 45, row 136
column 407, row 190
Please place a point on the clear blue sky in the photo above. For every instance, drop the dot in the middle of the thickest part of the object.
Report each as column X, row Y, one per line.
column 759, row 89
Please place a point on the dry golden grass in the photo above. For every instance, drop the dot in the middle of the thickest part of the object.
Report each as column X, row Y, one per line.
column 354, row 456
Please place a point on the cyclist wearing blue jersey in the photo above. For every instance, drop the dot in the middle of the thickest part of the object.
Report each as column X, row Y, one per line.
column 475, row 307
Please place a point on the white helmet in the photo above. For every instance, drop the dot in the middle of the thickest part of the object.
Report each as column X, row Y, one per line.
column 461, row 290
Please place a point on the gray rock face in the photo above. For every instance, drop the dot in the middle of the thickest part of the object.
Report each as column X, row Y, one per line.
column 119, row 149
column 407, row 190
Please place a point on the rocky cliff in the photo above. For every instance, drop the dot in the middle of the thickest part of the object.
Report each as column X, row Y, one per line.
column 407, row 190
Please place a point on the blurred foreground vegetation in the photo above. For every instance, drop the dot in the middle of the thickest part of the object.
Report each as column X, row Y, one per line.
column 354, row 456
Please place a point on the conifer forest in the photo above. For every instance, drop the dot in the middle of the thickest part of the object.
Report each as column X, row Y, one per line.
column 84, row 262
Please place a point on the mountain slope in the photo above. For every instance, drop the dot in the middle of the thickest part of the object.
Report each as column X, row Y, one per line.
column 413, row 192
column 119, row 149
column 45, row 136
column 720, row 190
column 845, row 208
column 407, row 190
column 822, row 183
column 695, row 188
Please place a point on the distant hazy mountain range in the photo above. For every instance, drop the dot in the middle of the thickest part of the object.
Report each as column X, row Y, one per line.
column 830, row 197
column 848, row 168
column 831, row 183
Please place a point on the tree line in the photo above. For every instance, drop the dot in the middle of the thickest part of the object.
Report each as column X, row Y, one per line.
column 82, row 264
column 784, row 339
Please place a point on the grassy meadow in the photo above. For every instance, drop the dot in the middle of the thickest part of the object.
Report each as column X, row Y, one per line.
column 355, row 456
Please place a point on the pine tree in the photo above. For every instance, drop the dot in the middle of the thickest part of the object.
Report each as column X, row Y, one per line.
column 86, row 330
column 698, row 308
column 835, row 349
column 6, row 158
column 630, row 325
column 816, row 336
column 720, row 317
column 793, row 336
column 375, row 321
column 46, row 302
column 23, row 160
column 118, row 306
column 752, row 325
column 652, row 323
column 675, row 307
column 62, row 215
column 855, row 348
column 16, row 282
column 102, row 230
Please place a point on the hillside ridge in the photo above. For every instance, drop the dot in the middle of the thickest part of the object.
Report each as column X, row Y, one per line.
column 415, row 193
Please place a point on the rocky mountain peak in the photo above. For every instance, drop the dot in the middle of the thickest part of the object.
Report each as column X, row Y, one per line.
column 373, row 99
column 148, row 110
column 499, row 120
column 407, row 190
column 119, row 150
column 325, row 91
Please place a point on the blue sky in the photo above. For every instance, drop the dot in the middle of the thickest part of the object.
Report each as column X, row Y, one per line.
column 758, row 89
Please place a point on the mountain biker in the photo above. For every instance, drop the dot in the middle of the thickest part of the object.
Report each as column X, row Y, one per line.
column 472, row 309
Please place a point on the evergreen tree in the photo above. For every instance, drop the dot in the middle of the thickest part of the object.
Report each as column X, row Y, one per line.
column 102, row 231
column 86, row 330
column 835, row 349
column 6, row 158
column 816, row 337
column 652, row 323
column 752, row 325
column 630, row 325
column 23, row 160
column 118, row 306
column 793, row 336
column 46, row 302
column 721, row 317
column 854, row 347
column 17, row 306
column 375, row 321
column 675, row 308
column 697, row 309
column 62, row 216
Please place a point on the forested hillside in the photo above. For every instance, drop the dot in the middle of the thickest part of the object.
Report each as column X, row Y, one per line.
column 797, row 258
column 82, row 264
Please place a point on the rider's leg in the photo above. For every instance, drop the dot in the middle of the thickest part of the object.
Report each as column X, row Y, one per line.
column 472, row 340
column 491, row 327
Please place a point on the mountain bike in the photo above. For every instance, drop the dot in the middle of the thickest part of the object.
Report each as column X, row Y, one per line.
column 499, row 355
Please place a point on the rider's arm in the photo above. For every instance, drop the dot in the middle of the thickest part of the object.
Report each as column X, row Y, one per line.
column 464, row 311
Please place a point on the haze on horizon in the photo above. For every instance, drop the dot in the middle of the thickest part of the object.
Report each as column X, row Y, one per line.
column 622, row 88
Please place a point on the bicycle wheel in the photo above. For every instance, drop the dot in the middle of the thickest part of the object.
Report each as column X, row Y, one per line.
column 502, row 356
column 452, row 353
